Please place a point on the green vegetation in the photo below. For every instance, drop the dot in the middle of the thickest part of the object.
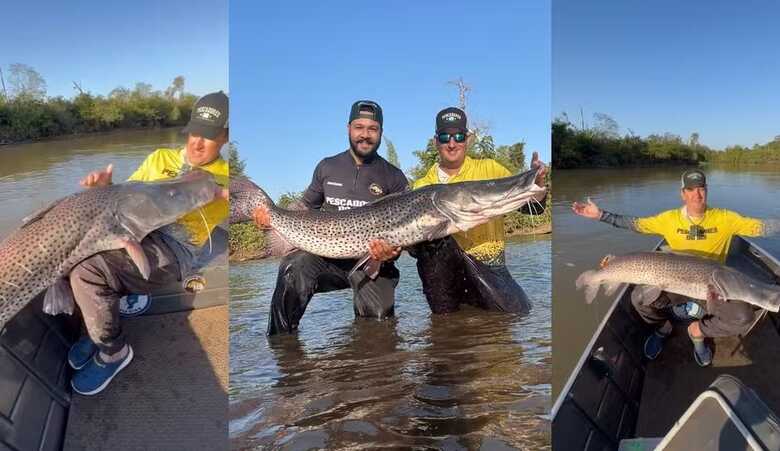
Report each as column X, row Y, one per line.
column 602, row 146
column 26, row 113
column 768, row 153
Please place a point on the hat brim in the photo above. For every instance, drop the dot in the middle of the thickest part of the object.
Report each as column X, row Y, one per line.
column 206, row 131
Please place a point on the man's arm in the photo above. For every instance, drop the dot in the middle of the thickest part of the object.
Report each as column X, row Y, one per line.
column 592, row 211
column 754, row 227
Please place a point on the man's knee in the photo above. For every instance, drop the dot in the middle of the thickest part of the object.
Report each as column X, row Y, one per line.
column 742, row 316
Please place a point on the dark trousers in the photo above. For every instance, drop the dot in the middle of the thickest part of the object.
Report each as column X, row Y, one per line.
column 729, row 318
column 102, row 279
column 450, row 277
column 302, row 274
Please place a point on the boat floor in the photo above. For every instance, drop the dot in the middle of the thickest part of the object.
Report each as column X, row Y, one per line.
column 674, row 380
column 149, row 405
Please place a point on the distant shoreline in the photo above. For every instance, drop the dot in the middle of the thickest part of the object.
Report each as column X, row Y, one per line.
column 66, row 136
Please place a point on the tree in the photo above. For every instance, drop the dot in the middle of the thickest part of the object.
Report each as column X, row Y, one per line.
column 512, row 157
column 235, row 163
column 176, row 87
column 392, row 155
column 26, row 82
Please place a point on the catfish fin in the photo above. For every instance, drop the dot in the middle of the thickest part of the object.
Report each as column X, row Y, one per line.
column 368, row 265
column 611, row 287
column 59, row 298
column 39, row 214
column 137, row 255
column 278, row 246
column 586, row 280
column 645, row 294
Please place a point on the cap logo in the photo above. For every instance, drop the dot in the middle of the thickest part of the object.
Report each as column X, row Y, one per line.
column 694, row 176
column 208, row 113
column 451, row 117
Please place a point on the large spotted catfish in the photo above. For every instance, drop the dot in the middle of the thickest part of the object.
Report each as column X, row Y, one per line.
column 401, row 219
column 51, row 242
column 694, row 277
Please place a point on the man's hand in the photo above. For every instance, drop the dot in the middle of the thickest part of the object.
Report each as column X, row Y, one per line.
column 261, row 217
column 381, row 251
column 588, row 210
column 536, row 163
column 98, row 178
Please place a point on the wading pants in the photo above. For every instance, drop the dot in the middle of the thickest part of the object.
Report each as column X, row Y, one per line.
column 302, row 274
column 729, row 318
column 450, row 277
column 101, row 280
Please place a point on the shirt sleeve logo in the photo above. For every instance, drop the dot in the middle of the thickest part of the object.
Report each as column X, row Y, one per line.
column 375, row 189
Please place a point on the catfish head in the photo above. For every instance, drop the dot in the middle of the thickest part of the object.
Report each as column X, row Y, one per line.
column 469, row 204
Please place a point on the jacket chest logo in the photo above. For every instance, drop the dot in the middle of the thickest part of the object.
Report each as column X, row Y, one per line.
column 375, row 189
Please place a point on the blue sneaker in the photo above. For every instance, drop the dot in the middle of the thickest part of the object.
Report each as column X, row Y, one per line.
column 704, row 358
column 654, row 345
column 81, row 352
column 96, row 375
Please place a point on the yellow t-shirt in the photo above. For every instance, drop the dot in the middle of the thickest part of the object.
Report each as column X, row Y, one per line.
column 167, row 163
column 484, row 242
column 709, row 237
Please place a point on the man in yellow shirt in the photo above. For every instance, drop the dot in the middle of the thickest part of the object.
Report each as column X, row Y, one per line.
column 698, row 230
column 468, row 266
column 173, row 251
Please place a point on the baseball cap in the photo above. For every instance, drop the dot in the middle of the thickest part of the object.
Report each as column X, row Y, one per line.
column 451, row 118
column 693, row 179
column 366, row 109
column 209, row 116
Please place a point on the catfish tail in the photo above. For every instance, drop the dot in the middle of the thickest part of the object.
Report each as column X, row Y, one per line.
column 245, row 196
column 589, row 282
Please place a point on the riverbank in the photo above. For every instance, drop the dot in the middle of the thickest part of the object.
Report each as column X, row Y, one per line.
column 90, row 134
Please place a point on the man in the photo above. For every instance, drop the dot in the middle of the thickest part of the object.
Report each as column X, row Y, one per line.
column 101, row 280
column 468, row 266
column 694, row 229
column 347, row 180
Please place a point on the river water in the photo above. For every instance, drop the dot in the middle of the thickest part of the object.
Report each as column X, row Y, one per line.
column 35, row 174
column 468, row 380
column 579, row 243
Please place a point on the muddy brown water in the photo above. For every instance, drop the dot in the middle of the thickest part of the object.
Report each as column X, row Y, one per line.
column 467, row 380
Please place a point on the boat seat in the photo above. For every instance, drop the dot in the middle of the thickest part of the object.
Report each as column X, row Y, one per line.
column 726, row 416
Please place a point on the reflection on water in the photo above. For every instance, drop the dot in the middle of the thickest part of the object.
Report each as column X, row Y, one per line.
column 580, row 243
column 457, row 381
column 33, row 175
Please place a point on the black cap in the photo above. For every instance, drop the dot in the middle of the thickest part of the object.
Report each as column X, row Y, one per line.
column 366, row 109
column 209, row 116
column 693, row 179
column 451, row 118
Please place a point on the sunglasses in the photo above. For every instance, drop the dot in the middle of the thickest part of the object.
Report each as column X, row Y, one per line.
column 444, row 138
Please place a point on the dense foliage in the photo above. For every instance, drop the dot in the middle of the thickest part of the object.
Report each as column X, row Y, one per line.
column 26, row 113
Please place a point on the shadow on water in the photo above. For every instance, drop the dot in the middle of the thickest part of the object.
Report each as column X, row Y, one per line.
column 456, row 381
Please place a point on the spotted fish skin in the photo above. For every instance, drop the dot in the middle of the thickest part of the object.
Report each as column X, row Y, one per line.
column 47, row 246
column 401, row 219
column 681, row 274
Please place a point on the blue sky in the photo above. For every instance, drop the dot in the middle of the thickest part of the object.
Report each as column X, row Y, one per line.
column 295, row 71
column 103, row 45
column 668, row 66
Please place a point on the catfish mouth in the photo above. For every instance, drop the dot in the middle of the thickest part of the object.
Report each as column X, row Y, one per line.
column 470, row 204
